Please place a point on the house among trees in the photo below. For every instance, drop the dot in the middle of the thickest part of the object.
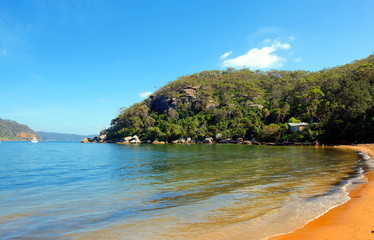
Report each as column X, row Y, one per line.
column 295, row 127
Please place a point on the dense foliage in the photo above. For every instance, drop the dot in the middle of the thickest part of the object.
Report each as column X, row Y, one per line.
column 13, row 131
column 338, row 103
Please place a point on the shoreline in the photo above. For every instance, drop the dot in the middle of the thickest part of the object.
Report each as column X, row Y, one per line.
column 349, row 221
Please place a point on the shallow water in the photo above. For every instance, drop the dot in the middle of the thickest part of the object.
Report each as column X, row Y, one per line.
column 70, row 190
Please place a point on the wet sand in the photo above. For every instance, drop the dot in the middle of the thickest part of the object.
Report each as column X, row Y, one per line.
column 350, row 221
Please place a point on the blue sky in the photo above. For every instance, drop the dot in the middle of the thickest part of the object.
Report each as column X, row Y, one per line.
column 69, row 65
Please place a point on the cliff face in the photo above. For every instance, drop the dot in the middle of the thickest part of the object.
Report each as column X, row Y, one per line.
column 23, row 135
column 13, row 131
column 162, row 103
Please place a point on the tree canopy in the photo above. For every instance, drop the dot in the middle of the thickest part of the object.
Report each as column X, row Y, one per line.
column 338, row 104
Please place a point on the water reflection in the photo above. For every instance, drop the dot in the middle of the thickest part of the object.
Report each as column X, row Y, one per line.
column 74, row 190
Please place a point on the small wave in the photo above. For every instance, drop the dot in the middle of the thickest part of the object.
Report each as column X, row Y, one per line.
column 313, row 208
column 366, row 160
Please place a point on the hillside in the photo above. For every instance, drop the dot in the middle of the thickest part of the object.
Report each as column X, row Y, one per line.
column 338, row 104
column 51, row 136
column 13, row 131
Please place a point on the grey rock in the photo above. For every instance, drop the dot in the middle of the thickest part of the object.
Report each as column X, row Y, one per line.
column 218, row 135
column 227, row 140
column 208, row 140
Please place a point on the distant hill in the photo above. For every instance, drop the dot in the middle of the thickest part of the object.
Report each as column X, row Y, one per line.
column 338, row 103
column 51, row 136
column 13, row 131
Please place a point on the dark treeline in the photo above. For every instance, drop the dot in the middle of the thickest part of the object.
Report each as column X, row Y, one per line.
column 337, row 103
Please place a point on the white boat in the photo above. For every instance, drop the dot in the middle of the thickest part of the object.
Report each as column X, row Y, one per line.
column 34, row 140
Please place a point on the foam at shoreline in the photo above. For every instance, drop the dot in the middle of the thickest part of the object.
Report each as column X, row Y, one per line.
column 352, row 187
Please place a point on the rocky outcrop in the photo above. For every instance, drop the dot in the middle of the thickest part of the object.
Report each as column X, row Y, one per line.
column 227, row 140
column 208, row 140
column 126, row 139
column 85, row 141
column 26, row 135
column 97, row 139
column 102, row 137
column 163, row 103
column 130, row 140
column 158, row 142
column 254, row 105
column 211, row 104
column 189, row 91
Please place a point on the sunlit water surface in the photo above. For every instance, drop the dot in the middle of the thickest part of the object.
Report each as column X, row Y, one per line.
column 69, row 190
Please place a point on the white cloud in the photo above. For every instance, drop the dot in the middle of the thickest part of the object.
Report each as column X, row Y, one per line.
column 225, row 55
column 260, row 58
column 299, row 59
column 145, row 94
column 291, row 38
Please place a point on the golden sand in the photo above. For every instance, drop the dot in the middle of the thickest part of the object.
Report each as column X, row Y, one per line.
column 353, row 220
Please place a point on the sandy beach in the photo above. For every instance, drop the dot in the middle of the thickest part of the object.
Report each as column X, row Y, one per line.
column 350, row 221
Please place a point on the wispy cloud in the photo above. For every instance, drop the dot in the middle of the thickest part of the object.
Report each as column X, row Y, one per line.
column 145, row 94
column 225, row 55
column 3, row 52
column 299, row 59
column 260, row 58
column 12, row 39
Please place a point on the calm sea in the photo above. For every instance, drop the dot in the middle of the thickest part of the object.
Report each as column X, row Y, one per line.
column 69, row 190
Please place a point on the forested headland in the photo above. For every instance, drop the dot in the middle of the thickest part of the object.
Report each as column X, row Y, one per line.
column 13, row 131
column 337, row 103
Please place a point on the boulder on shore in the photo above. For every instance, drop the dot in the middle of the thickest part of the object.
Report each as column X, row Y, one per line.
column 218, row 136
column 227, row 140
column 208, row 140
column 127, row 139
column 134, row 139
column 236, row 141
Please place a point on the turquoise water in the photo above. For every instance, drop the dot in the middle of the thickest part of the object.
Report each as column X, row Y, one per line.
column 69, row 190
